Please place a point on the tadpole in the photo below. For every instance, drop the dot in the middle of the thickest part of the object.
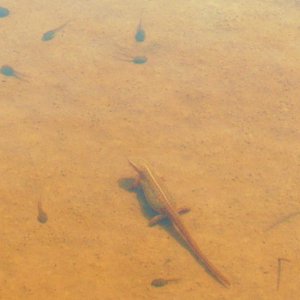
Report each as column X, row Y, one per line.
column 160, row 282
column 140, row 34
column 49, row 35
column 42, row 215
column 9, row 71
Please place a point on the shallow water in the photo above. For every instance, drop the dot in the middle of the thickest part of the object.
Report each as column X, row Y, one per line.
column 215, row 111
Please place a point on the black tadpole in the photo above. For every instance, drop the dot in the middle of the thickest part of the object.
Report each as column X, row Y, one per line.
column 42, row 215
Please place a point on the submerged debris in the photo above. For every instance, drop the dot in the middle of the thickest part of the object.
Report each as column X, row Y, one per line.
column 279, row 260
column 283, row 219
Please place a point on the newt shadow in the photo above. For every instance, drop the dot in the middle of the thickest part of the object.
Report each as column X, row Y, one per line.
column 149, row 213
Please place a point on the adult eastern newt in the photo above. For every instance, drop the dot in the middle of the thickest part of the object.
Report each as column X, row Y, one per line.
column 159, row 200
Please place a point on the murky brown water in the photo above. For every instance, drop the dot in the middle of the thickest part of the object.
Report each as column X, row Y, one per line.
column 215, row 109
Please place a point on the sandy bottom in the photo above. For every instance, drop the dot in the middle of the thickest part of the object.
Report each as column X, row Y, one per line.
column 215, row 110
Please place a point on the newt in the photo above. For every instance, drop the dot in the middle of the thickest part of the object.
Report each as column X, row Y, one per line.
column 159, row 199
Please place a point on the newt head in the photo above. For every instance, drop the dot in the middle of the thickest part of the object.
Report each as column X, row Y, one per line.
column 136, row 167
column 140, row 166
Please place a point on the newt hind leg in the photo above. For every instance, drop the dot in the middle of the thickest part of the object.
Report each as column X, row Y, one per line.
column 135, row 184
column 156, row 219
